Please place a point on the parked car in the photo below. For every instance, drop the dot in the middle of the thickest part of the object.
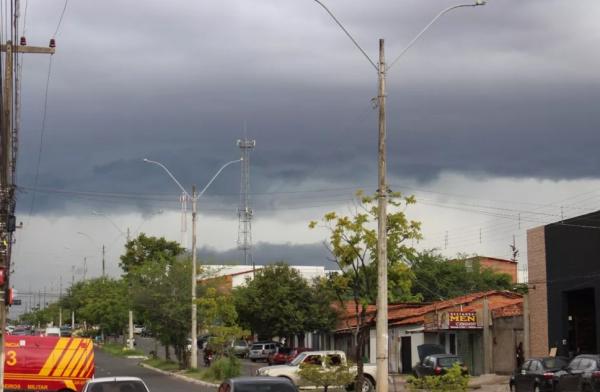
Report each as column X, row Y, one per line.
column 262, row 350
column 257, row 384
column 537, row 374
column 582, row 374
column 139, row 329
column 115, row 384
column 324, row 358
column 240, row 347
column 284, row 355
column 434, row 361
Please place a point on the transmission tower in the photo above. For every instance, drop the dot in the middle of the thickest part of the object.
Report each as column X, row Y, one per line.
column 244, row 240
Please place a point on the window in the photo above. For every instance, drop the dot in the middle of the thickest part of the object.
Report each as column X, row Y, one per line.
column 526, row 365
column 554, row 363
column 313, row 360
column 334, row 360
column 587, row 364
column 536, row 366
column 575, row 363
column 452, row 343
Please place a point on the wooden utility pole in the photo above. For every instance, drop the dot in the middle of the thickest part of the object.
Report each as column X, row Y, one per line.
column 7, row 169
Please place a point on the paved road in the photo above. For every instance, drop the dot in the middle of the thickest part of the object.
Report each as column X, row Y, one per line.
column 148, row 344
column 108, row 365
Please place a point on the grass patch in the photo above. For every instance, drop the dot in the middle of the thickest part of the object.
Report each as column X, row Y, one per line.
column 162, row 364
column 118, row 350
column 202, row 375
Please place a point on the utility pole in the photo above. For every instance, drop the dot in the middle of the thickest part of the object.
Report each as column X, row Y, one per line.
column 103, row 262
column 8, row 141
column 194, row 359
column 130, row 313
column 381, row 342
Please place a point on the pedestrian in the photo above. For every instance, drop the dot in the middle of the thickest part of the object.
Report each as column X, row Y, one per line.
column 520, row 355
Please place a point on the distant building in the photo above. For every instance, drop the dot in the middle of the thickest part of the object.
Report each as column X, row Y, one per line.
column 564, row 286
column 231, row 276
column 502, row 266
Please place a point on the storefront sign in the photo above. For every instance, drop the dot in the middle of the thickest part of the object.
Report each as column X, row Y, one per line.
column 462, row 320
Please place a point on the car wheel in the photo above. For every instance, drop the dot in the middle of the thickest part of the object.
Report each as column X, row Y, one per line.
column 369, row 385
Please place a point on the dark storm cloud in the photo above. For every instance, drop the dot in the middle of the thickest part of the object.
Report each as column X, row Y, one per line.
column 266, row 253
column 503, row 90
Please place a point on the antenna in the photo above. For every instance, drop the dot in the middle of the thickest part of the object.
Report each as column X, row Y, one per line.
column 244, row 240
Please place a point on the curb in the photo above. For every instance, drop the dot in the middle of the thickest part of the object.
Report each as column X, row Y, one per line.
column 180, row 376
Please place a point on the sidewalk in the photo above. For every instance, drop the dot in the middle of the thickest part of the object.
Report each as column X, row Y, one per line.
column 486, row 382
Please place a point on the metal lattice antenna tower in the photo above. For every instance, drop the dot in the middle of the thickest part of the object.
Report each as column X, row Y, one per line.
column 244, row 241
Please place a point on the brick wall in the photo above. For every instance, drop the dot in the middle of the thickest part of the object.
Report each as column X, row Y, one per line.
column 501, row 266
column 538, row 292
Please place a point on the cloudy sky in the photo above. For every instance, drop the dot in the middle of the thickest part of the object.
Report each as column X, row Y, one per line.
column 492, row 123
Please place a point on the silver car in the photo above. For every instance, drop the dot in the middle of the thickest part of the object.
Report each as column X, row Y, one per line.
column 115, row 384
column 262, row 350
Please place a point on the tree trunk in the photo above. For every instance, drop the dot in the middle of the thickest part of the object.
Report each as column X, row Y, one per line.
column 167, row 352
column 360, row 345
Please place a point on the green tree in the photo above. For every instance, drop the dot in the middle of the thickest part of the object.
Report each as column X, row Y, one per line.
column 353, row 245
column 278, row 302
column 161, row 295
column 145, row 249
column 437, row 277
column 103, row 303
column 328, row 375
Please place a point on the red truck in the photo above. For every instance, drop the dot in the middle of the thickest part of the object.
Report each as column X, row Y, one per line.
column 37, row 363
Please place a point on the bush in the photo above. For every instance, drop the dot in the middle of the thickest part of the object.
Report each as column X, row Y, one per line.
column 224, row 367
column 453, row 381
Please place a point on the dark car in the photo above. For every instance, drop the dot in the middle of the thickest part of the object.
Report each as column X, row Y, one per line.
column 582, row 374
column 284, row 355
column 438, row 364
column 257, row 384
column 537, row 374
column 434, row 361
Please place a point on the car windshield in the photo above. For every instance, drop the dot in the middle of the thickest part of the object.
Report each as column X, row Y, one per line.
column 554, row 363
column 257, row 347
column 240, row 343
column 117, row 386
column 298, row 359
column 264, row 387
column 448, row 361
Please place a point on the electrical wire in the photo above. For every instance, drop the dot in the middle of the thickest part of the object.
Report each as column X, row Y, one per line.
column 62, row 14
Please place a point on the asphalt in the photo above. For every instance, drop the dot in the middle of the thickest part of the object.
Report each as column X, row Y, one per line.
column 110, row 366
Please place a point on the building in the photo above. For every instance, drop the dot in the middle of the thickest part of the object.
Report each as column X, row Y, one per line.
column 503, row 266
column 564, row 286
column 231, row 276
column 457, row 324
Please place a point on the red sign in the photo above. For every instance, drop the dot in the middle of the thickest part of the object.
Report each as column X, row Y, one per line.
column 462, row 320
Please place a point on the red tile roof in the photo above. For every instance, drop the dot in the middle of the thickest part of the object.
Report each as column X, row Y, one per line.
column 501, row 303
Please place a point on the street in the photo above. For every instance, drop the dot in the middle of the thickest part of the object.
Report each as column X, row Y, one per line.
column 146, row 345
column 108, row 365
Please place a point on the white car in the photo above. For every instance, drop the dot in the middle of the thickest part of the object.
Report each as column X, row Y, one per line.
column 116, row 384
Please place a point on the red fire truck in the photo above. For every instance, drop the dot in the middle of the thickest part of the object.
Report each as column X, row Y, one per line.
column 37, row 363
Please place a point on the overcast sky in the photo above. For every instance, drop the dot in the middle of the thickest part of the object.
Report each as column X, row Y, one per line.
column 492, row 122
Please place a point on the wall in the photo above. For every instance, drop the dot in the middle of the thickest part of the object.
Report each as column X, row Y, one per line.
column 504, row 267
column 395, row 339
column 573, row 263
column 506, row 332
column 538, row 292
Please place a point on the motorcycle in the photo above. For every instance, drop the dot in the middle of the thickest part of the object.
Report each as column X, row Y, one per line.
column 208, row 357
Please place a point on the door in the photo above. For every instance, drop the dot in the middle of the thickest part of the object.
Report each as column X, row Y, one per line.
column 406, row 354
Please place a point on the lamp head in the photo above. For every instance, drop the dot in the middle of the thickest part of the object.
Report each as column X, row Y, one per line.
column 480, row 2
column 146, row 160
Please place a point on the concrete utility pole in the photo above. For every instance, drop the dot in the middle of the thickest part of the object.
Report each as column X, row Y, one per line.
column 103, row 262
column 194, row 359
column 381, row 344
column 382, row 192
column 487, row 343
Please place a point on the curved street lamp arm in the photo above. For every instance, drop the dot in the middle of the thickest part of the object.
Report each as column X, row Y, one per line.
column 94, row 212
column 348, row 34
column 215, row 176
column 170, row 175
column 414, row 40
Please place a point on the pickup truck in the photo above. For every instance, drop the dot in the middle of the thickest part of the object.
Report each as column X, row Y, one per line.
column 333, row 357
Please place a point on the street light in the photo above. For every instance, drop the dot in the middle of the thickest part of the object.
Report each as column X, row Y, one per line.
column 382, row 295
column 194, row 197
